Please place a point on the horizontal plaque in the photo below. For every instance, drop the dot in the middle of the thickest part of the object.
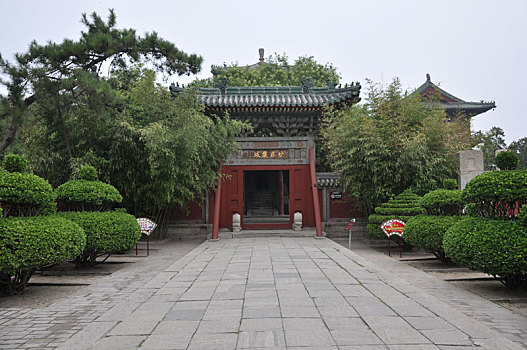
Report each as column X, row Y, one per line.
column 266, row 154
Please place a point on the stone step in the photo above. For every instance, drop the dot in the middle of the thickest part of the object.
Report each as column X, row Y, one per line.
column 188, row 230
column 268, row 233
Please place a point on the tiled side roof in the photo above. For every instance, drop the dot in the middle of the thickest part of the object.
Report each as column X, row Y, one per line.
column 284, row 96
column 452, row 103
column 328, row 180
column 470, row 108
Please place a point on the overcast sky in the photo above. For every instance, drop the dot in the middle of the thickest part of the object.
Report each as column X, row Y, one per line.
column 476, row 50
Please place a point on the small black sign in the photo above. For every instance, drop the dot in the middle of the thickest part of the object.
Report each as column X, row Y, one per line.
column 336, row 195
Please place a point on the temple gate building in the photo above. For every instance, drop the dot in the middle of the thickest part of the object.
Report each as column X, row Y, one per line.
column 272, row 177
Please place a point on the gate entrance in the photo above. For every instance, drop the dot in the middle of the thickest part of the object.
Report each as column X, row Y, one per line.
column 266, row 196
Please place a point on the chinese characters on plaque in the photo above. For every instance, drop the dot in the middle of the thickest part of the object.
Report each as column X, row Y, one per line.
column 266, row 154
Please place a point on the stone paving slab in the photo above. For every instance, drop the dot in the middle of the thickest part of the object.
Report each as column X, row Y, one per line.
column 262, row 293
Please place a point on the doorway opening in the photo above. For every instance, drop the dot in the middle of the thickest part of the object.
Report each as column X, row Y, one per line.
column 266, row 196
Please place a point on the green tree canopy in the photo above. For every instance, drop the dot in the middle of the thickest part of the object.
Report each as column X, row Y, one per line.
column 156, row 150
column 489, row 142
column 61, row 73
column 392, row 142
column 520, row 147
column 275, row 71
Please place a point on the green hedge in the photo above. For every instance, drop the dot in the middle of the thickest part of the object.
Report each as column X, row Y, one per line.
column 450, row 184
column 23, row 194
column 14, row 163
column 106, row 232
column 88, row 173
column 497, row 193
column 494, row 246
column 522, row 216
column 399, row 211
column 83, row 195
column 507, row 160
column 26, row 244
column 402, row 207
column 443, row 202
column 427, row 231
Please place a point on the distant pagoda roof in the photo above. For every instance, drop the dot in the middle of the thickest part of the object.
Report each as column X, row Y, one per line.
column 305, row 95
column 217, row 69
column 453, row 105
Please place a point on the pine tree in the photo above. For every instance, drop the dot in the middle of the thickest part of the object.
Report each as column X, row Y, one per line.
column 64, row 72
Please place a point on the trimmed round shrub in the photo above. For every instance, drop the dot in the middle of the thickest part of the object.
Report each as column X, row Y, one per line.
column 507, row 160
column 84, row 195
column 88, row 173
column 23, row 194
column 494, row 246
column 48, row 209
column 402, row 207
column 522, row 216
column 427, row 231
column 106, row 232
column 399, row 211
column 27, row 244
column 450, row 184
column 14, row 163
column 497, row 193
column 442, row 202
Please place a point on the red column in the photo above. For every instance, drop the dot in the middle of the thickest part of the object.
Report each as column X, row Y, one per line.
column 217, row 203
column 316, row 205
column 281, row 192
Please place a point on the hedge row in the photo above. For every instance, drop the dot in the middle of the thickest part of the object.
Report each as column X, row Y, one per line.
column 494, row 246
column 427, row 231
column 27, row 244
column 497, row 193
column 85, row 195
column 106, row 232
column 14, row 163
column 442, row 202
column 399, row 211
column 23, row 194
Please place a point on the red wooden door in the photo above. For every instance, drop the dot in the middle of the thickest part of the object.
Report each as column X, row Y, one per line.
column 301, row 198
column 232, row 196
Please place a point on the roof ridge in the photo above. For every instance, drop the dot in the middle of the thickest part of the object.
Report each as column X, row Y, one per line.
column 428, row 83
column 255, row 90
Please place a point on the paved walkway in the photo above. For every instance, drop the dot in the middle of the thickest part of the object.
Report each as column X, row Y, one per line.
column 294, row 293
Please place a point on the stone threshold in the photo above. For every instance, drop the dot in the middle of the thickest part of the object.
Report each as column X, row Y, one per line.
column 267, row 233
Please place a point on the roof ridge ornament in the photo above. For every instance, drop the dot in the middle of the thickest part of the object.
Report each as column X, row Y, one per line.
column 175, row 89
column 307, row 84
column 428, row 77
column 332, row 85
column 221, row 84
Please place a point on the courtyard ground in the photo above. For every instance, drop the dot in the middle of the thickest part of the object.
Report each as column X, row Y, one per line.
column 474, row 282
column 294, row 293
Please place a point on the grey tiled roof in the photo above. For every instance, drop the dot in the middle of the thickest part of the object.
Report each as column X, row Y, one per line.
column 328, row 180
column 285, row 96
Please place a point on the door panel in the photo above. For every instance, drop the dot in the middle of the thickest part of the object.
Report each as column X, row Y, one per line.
column 232, row 197
column 302, row 200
